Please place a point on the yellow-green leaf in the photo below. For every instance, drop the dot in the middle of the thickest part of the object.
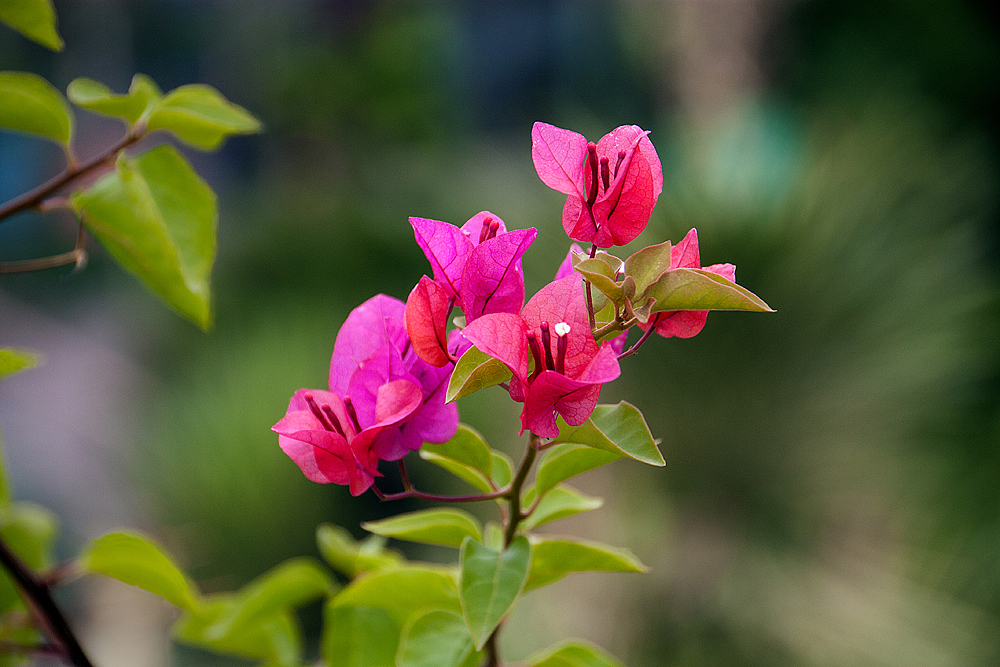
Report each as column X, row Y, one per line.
column 29, row 103
column 35, row 19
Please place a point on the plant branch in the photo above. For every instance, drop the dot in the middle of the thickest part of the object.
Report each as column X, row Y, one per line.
column 78, row 256
column 590, row 297
column 409, row 492
column 40, row 598
column 635, row 348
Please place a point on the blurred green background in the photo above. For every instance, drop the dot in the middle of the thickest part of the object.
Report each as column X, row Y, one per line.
column 832, row 494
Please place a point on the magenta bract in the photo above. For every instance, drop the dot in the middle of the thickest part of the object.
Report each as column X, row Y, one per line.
column 612, row 186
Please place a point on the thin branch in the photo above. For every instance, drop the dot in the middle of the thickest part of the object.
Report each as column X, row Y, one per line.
column 635, row 348
column 78, row 256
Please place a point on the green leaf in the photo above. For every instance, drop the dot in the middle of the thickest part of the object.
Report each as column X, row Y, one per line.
column 503, row 469
column 35, row 19
column 561, row 502
column 560, row 462
column 490, row 583
column 137, row 560
column 460, row 470
column 29, row 103
column 573, row 653
column 201, row 116
column 436, row 638
column 466, row 456
column 602, row 276
column 615, row 428
column 12, row 361
column 142, row 96
column 648, row 264
column 157, row 217
column 358, row 637
column 446, row 527
column 553, row 559
column 275, row 638
column 29, row 531
column 291, row 584
column 350, row 557
column 696, row 289
column 403, row 590
column 475, row 370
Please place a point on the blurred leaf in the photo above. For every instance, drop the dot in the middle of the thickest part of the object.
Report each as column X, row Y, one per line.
column 552, row 559
column 29, row 531
column 201, row 116
column 95, row 96
column 615, row 428
column 446, row 527
column 12, row 361
column 475, row 370
column 137, row 560
column 560, row 502
column 503, row 469
column 29, row 103
column 291, row 584
column 35, row 19
column 648, row 264
column 573, row 653
column 490, row 583
column 436, row 638
column 695, row 289
column 358, row 637
column 350, row 557
column 274, row 638
column 403, row 590
column 460, row 470
column 157, row 217
column 560, row 462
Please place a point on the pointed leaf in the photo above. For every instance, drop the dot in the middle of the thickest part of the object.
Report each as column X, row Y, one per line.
column 137, row 560
column 466, row 447
column 561, row 502
column 275, row 638
column 697, row 289
column 475, row 370
column 615, row 428
column 436, row 638
column 503, row 469
column 201, row 116
column 573, row 653
column 469, row 475
column 601, row 276
column 12, row 361
column 446, row 527
column 648, row 264
column 350, row 557
column 552, row 559
column 143, row 94
column 35, row 19
column 490, row 584
column 403, row 590
column 562, row 461
column 157, row 218
column 359, row 637
column 29, row 103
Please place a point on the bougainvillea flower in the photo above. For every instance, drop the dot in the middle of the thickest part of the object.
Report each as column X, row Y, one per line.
column 612, row 186
column 687, row 323
column 566, row 269
column 426, row 321
column 321, row 433
column 556, row 364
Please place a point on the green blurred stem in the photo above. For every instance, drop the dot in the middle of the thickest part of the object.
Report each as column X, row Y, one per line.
column 36, row 198
column 40, row 599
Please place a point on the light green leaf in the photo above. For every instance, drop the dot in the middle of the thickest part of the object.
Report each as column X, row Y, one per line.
column 403, row 590
column 648, row 264
column 12, row 361
column 35, row 19
column 695, row 289
column 358, row 637
column 350, row 557
column 137, row 560
column 291, row 584
column 466, row 456
column 201, row 116
column 560, row 462
column 275, row 638
column 29, row 103
column 143, row 94
column 446, row 527
column 157, row 217
column 561, row 502
column 573, row 653
column 436, row 638
column 490, row 583
column 475, row 370
column 460, row 470
column 552, row 559
column 503, row 468
column 615, row 428
column 29, row 531
column 602, row 276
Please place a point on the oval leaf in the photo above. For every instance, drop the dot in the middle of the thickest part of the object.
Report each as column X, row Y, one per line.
column 561, row 502
column 350, row 557
column 359, row 637
column 695, row 289
column 403, row 590
column 35, row 19
column 615, row 428
column 503, row 469
column 157, row 218
column 29, row 103
column 446, row 527
column 466, row 446
column 436, row 638
column 137, row 560
column 553, row 559
column 95, row 96
column 276, row 638
column 573, row 653
column 475, row 370
column 561, row 462
column 201, row 116
column 602, row 276
column 12, row 361
column 490, row 583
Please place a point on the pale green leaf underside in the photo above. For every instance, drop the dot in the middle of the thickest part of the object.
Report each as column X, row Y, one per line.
column 29, row 103
column 696, row 289
column 35, row 19
column 200, row 116
column 446, row 527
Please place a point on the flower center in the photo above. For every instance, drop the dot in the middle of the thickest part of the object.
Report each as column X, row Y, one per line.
column 489, row 229
column 328, row 418
column 541, row 348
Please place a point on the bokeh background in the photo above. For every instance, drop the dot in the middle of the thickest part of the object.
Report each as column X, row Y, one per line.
column 832, row 494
